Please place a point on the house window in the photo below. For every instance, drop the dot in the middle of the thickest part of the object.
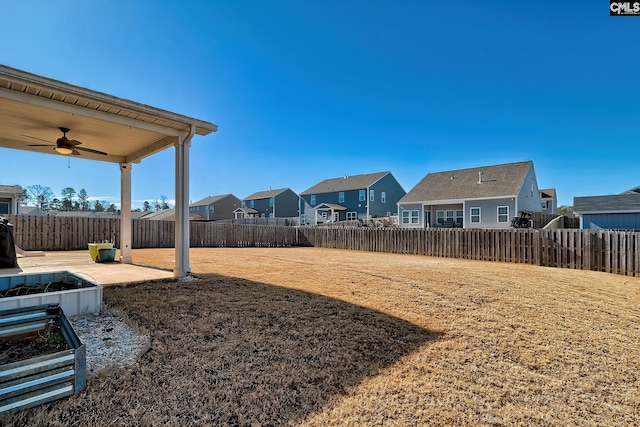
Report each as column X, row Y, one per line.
column 341, row 197
column 410, row 217
column 383, row 197
column 459, row 218
column 323, row 214
column 252, row 203
column 362, row 195
column 475, row 215
column 406, row 217
column 313, row 200
column 544, row 204
column 336, row 217
column 372, row 195
column 503, row 214
column 244, row 204
column 352, row 216
column 271, row 202
column 4, row 208
column 439, row 217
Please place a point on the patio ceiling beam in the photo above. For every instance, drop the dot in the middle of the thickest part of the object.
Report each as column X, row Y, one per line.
column 150, row 149
column 86, row 112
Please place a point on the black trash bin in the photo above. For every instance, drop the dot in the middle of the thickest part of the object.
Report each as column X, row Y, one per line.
column 8, row 257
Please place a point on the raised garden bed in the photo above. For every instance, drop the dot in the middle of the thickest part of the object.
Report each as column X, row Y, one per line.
column 73, row 293
column 42, row 358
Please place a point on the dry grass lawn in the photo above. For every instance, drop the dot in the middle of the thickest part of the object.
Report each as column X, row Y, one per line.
column 319, row 337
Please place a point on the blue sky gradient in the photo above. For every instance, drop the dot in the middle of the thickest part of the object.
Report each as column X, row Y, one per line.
column 308, row 90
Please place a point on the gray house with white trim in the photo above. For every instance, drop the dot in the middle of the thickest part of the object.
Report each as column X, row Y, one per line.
column 280, row 203
column 352, row 197
column 613, row 212
column 10, row 196
column 215, row 207
column 481, row 197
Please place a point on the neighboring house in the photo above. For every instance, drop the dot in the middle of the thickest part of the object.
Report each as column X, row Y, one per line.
column 215, row 207
column 614, row 212
column 549, row 201
column 482, row 197
column 352, row 197
column 242, row 213
column 280, row 203
column 10, row 196
column 32, row 210
column 161, row 215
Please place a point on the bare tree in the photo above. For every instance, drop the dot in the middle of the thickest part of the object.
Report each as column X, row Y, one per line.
column 40, row 196
column 164, row 202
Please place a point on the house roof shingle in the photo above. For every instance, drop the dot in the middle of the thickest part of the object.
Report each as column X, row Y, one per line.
column 210, row 200
column 616, row 202
column 11, row 189
column 346, row 183
column 266, row 194
column 463, row 184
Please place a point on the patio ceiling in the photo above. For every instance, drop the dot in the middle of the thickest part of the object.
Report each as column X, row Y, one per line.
column 32, row 108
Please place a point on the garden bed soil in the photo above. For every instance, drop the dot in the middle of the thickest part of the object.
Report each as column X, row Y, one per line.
column 47, row 341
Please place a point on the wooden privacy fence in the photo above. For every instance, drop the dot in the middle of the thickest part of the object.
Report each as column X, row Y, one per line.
column 600, row 250
column 64, row 233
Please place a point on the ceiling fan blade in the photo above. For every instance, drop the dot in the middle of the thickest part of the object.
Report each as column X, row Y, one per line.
column 89, row 150
column 35, row 137
column 75, row 152
column 40, row 145
column 73, row 142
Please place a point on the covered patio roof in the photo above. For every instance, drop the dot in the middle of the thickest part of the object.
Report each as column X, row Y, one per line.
column 33, row 108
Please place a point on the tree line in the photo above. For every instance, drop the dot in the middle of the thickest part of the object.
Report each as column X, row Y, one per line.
column 44, row 198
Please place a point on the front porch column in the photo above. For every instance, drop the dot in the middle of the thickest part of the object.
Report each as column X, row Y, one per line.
column 181, row 267
column 125, row 213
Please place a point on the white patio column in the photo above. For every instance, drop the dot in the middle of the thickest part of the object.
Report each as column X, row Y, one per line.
column 181, row 267
column 125, row 213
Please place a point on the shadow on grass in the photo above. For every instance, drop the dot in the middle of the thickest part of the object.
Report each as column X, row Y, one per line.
column 229, row 351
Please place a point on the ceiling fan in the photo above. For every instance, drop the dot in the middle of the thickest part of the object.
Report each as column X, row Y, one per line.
column 65, row 145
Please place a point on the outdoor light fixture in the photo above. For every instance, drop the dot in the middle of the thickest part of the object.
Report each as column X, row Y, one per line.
column 64, row 150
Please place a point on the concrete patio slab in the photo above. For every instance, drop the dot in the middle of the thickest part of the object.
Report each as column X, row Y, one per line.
column 79, row 262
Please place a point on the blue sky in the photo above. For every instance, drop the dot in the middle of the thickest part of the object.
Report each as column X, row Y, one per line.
column 308, row 90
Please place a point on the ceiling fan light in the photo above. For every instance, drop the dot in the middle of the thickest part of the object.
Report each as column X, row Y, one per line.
column 63, row 150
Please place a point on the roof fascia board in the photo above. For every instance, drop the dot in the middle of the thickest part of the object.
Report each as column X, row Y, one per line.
column 66, row 89
column 386, row 173
column 604, row 212
column 525, row 178
column 86, row 112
